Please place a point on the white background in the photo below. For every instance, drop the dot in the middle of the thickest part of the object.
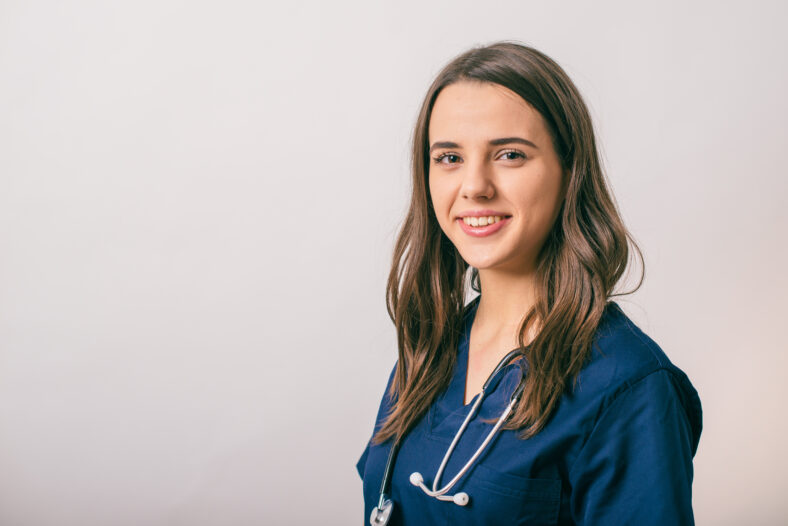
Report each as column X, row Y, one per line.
column 198, row 202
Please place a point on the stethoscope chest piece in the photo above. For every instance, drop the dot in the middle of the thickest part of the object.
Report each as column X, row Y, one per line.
column 381, row 514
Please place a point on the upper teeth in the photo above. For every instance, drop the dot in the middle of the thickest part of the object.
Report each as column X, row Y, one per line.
column 481, row 221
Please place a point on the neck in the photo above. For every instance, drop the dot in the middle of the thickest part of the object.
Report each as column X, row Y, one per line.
column 506, row 298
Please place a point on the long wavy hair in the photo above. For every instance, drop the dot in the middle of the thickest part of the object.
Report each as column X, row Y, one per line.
column 582, row 259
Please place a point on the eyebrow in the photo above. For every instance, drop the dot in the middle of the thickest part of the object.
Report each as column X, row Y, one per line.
column 493, row 142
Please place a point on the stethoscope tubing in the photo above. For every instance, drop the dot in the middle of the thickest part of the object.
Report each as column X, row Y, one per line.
column 476, row 455
column 386, row 482
column 381, row 512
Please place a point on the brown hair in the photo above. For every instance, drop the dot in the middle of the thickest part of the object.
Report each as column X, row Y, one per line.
column 582, row 259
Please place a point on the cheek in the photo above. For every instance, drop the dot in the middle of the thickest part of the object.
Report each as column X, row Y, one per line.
column 548, row 208
column 539, row 201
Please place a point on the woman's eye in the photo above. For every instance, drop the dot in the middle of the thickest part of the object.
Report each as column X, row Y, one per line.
column 512, row 155
column 451, row 158
column 442, row 159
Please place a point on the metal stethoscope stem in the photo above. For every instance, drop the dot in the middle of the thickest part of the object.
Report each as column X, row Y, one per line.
column 381, row 513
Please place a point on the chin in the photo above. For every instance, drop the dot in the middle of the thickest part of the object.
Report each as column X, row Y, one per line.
column 506, row 262
column 481, row 262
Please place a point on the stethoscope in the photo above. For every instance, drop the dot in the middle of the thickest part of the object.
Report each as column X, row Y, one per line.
column 382, row 512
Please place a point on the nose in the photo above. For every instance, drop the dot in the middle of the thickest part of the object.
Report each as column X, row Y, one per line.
column 477, row 181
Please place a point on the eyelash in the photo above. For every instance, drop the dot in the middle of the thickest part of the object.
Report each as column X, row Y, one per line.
column 439, row 159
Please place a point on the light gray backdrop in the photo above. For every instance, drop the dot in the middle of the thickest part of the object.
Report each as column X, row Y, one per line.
column 197, row 208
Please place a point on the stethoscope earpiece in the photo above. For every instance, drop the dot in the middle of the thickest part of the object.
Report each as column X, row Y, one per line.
column 461, row 498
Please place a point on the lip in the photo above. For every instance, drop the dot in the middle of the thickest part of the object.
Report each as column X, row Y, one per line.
column 482, row 231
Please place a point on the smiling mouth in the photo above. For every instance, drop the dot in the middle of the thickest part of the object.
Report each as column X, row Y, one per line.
column 483, row 226
column 482, row 221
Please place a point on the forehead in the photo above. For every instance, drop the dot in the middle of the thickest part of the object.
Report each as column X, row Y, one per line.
column 479, row 111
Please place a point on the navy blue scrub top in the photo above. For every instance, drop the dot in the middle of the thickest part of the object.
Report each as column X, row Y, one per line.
column 618, row 448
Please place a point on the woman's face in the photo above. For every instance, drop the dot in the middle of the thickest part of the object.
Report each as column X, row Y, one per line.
column 495, row 180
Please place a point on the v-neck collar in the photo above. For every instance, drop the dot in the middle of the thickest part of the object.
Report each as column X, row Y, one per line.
column 445, row 416
column 454, row 398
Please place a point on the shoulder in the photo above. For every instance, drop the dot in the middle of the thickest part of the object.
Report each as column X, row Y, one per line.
column 630, row 404
column 622, row 357
column 622, row 354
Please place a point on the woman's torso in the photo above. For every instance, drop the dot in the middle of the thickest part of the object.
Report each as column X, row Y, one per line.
column 531, row 481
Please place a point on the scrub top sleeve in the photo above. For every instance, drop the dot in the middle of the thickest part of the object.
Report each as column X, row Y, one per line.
column 385, row 407
column 636, row 466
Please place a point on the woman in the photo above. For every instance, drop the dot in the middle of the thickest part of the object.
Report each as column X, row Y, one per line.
column 582, row 418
